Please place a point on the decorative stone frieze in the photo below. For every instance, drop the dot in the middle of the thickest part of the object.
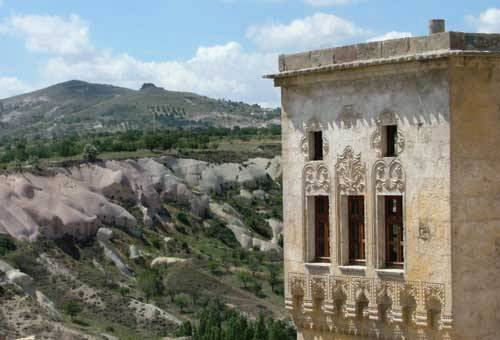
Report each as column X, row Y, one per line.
column 316, row 179
column 389, row 177
column 386, row 304
column 351, row 173
column 304, row 141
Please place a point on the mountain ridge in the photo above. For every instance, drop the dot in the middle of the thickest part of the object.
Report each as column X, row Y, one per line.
column 80, row 107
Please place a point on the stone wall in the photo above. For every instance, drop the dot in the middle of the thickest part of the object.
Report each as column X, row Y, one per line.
column 349, row 108
column 475, row 196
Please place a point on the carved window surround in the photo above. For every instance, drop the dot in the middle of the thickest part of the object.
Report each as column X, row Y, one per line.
column 305, row 141
column 350, row 180
column 389, row 179
column 332, row 303
column 316, row 182
column 386, row 118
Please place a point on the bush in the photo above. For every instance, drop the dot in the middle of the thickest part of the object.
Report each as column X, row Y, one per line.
column 90, row 153
column 72, row 308
column 182, row 217
column 150, row 282
column 220, row 232
column 185, row 329
column 6, row 245
column 181, row 301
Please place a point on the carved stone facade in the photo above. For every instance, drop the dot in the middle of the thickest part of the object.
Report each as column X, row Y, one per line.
column 351, row 172
column 370, row 307
column 316, row 179
column 410, row 171
column 376, row 142
column 309, row 127
column 389, row 177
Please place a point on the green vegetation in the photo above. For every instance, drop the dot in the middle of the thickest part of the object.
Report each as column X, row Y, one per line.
column 72, row 308
column 90, row 153
column 218, row 322
column 7, row 245
column 88, row 147
column 150, row 282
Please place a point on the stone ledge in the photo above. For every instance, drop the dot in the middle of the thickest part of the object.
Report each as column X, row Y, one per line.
column 353, row 270
column 389, row 272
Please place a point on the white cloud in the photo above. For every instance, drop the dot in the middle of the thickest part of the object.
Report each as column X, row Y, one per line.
column 316, row 31
column 328, row 3
column 10, row 86
column 50, row 34
column 487, row 22
column 391, row 35
column 223, row 71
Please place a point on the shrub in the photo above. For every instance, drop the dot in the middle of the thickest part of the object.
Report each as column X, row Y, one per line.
column 185, row 329
column 181, row 301
column 182, row 217
column 6, row 245
column 72, row 308
column 220, row 232
column 90, row 153
column 150, row 282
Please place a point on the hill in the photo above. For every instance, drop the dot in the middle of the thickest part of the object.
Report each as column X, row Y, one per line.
column 80, row 107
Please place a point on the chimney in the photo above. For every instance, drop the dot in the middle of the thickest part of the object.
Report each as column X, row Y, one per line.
column 436, row 26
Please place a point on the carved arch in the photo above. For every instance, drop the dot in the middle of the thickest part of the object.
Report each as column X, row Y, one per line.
column 308, row 127
column 316, row 177
column 386, row 118
column 389, row 177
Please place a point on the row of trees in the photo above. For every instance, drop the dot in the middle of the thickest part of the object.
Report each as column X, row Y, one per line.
column 217, row 322
column 131, row 140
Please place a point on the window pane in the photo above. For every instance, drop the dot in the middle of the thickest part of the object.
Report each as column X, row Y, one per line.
column 318, row 146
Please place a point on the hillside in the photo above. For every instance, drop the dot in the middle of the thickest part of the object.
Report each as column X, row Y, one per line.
column 81, row 107
column 139, row 246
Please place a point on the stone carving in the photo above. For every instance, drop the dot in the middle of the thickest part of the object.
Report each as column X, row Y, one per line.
column 424, row 232
column 376, row 142
column 316, row 179
column 389, row 177
column 387, row 297
column 350, row 172
column 304, row 141
column 387, row 117
column 348, row 116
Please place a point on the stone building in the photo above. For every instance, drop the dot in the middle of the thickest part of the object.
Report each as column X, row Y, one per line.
column 391, row 176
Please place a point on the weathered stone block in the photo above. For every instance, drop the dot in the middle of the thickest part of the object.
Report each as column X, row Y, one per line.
column 395, row 47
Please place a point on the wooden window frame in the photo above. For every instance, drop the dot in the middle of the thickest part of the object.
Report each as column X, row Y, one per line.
column 322, row 229
column 356, row 222
column 391, row 219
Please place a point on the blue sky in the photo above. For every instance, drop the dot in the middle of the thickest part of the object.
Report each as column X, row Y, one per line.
column 218, row 48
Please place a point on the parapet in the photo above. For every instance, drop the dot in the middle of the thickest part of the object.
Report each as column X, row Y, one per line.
column 433, row 46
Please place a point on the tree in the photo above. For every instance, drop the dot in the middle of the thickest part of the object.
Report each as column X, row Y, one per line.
column 245, row 278
column 33, row 162
column 273, row 278
column 151, row 141
column 181, row 301
column 149, row 281
column 72, row 308
column 186, row 329
column 124, row 291
column 260, row 328
column 90, row 153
